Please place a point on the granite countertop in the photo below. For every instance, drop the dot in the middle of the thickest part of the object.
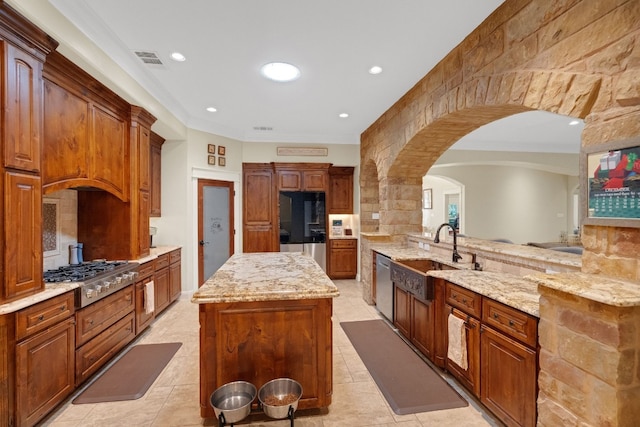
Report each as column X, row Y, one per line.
column 398, row 253
column 155, row 252
column 266, row 276
column 509, row 289
column 606, row 290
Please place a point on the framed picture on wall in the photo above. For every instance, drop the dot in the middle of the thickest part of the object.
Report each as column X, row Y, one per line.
column 221, row 150
column 426, row 199
column 222, row 161
column 212, row 160
column 211, row 148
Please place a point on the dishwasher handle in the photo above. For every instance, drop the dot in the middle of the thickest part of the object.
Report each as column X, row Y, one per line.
column 383, row 262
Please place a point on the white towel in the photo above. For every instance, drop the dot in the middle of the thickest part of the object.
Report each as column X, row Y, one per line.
column 149, row 298
column 457, row 351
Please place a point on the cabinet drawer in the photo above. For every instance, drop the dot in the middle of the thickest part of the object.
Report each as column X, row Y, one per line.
column 464, row 299
column 518, row 325
column 174, row 256
column 162, row 261
column 343, row 243
column 92, row 320
column 42, row 315
column 98, row 351
column 145, row 270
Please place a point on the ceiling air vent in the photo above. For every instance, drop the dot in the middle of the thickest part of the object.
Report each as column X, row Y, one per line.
column 150, row 58
column 262, row 128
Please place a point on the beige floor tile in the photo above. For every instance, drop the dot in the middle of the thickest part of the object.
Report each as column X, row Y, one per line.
column 173, row 400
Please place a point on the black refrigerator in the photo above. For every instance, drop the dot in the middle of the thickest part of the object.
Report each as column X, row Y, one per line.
column 303, row 225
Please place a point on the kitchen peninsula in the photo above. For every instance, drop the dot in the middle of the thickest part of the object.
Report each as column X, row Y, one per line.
column 266, row 316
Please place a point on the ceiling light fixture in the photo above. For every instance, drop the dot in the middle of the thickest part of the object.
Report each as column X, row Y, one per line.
column 375, row 70
column 574, row 122
column 212, row 109
column 177, row 56
column 280, row 71
column 343, row 115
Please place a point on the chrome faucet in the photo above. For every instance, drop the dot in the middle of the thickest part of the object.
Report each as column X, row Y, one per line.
column 456, row 256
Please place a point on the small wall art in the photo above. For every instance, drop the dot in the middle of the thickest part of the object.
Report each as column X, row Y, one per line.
column 221, row 150
column 212, row 160
column 222, row 161
column 211, row 148
column 426, row 199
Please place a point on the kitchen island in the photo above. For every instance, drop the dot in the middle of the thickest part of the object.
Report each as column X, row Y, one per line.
column 265, row 316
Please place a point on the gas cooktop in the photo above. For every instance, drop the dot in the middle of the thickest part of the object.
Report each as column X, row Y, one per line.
column 81, row 272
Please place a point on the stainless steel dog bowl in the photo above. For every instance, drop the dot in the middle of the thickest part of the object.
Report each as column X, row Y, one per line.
column 279, row 389
column 233, row 401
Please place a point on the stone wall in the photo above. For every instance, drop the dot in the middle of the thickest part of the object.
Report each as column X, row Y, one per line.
column 579, row 58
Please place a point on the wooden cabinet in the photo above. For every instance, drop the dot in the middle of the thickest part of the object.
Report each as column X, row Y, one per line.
column 509, row 363
column 343, row 258
column 145, row 276
column 260, row 222
column 468, row 375
column 161, row 282
column 22, row 216
column 402, row 310
column 155, row 160
column 302, row 176
column 414, row 318
column 22, row 102
column 175, row 274
column 44, row 357
column 340, row 192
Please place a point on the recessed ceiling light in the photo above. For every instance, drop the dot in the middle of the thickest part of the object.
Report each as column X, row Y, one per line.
column 574, row 122
column 280, row 71
column 177, row 56
column 375, row 70
column 343, row 115
column 212, row 109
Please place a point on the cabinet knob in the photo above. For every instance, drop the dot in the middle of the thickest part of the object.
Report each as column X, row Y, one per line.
column 41, row 317
column 511, row 323
column 495, row 315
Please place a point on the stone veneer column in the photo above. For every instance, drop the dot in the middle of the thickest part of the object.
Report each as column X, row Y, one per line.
column 589, row 362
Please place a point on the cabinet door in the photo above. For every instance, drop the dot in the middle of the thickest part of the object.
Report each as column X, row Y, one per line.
column 23, row 235
column 343, row 259
column 289, row 180
column 422, row 326
column 44, row 372
column 469, row 377
column 144, row 239
column 156, row 177
column 314, row 180
column 22, row 102
column 508, row 378
column 402, row 311
column 143, row 319
column 144, row 158
column 259, row 208
column 340, row 194
column 175, row 281
column 161, row 289
column 108, row 152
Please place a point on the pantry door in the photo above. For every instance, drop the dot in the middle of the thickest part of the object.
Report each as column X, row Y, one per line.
column 215, row 226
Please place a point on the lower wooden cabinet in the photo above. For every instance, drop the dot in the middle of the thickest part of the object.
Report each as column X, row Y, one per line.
column 402, row 311
column 145, row 276
column 343, row 258
column 468, row 375
column 175, row 274
column 414, row 318
column 161, row 283
column 44, row 372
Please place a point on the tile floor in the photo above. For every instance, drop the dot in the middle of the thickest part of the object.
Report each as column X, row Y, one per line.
column 173, row 399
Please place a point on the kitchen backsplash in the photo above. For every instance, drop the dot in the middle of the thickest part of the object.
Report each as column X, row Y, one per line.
column 60, row 227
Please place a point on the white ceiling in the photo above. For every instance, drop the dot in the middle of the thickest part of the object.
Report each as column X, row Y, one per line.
column 333, row 42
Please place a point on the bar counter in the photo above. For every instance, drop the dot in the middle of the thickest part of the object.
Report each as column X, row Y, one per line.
column 265, row 316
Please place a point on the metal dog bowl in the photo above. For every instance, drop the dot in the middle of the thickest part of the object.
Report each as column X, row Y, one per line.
column 276, row 397
column 232, row 402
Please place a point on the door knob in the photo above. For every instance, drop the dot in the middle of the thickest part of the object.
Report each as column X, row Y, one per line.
column 202, row 243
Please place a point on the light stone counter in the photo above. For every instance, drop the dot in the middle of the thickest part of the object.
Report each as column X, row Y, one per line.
column 606, row 290
column 398, row 253
column 50, row 290
column 155, row 253
column 511, row 290
column 266, row 276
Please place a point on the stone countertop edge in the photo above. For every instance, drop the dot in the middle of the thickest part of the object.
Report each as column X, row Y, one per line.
column 399, row 253
column 52, row 290
column 266, row 276
column 602, row 289
column 511, row 290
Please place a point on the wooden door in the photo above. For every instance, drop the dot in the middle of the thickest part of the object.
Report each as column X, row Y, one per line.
column 216, row 232
column 340, row 194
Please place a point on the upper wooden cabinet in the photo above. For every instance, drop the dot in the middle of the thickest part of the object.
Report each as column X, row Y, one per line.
column 302, row 176
column 156, row 174
column 260, row 222
column 340, row 194
column 86, row 132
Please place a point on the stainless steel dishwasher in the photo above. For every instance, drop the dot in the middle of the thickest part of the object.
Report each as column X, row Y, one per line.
column 384, row 286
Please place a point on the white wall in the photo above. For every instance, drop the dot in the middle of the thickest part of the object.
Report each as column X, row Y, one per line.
column 517, row 203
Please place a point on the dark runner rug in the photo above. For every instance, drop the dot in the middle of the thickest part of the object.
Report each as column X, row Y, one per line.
column 408, row 383
column 131, row 376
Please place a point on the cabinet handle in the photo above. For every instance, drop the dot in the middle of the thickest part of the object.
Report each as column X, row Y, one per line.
column 62, row 307
column 91, row 322
column 495, row 315
column 511, row 323
column 41, row 317
column 464, row 300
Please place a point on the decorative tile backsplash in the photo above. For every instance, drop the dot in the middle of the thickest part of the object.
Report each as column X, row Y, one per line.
column 60, row 227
